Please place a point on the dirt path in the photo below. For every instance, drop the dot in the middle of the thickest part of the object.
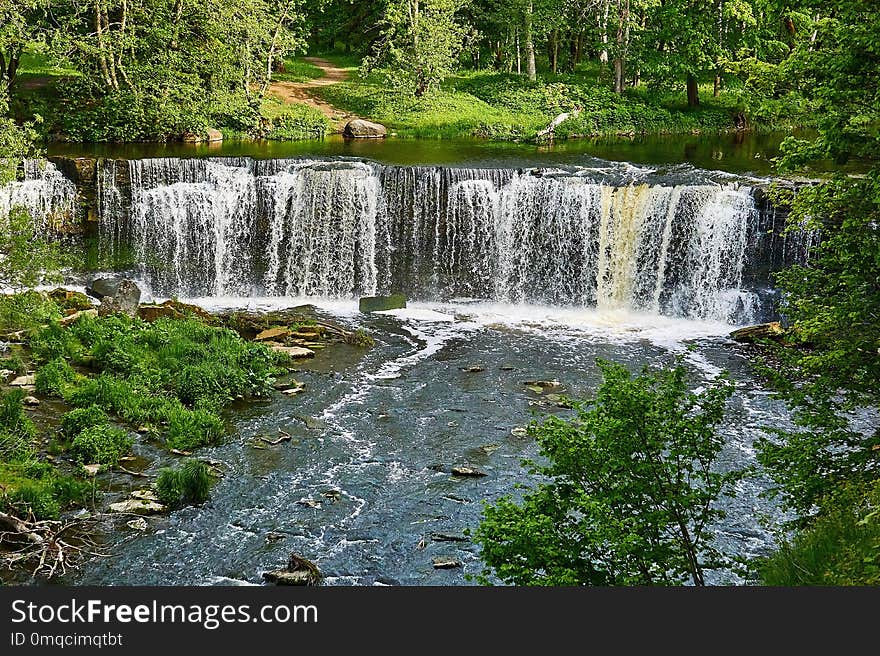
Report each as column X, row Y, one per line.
column 303, row 92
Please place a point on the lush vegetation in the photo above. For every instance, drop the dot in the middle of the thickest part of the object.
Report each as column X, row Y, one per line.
column 827, row 469
column 155, row 69
column 630, row 492
column 171, row 377
column 190, row 482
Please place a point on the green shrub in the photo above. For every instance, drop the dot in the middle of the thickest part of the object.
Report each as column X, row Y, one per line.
column 13, row 363
column 17, row 431
column 27, row 310
column 38, row 487
column 102, row 444
column 188, row 483
column 78, row 419
column 191, row 429
column 840, row 547
column 55, row 377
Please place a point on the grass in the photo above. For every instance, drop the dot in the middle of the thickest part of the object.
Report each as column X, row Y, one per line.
column 28, row 485
column 840, row 547
column 173, row 376
column 38, row 64
column 298, row 70
column 187, row 483
column 504, row 106
column 293, row 121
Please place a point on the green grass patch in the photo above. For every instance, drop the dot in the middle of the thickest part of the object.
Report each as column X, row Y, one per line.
column 293, row 121
column 298, row 70
column 27, row 310
column 40, row 64
column 188, row 483
column 840, row 547
column 174, row 376
column 508, row 107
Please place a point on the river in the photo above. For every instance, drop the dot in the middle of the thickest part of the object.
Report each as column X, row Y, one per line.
column 521, row 265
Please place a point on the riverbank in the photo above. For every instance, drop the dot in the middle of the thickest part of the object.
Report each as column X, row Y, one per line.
column 106, row 404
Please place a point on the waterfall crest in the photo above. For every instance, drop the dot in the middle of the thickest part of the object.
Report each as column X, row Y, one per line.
column 337, row 228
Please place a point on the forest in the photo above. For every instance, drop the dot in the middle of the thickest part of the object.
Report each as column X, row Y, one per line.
column 626, row 485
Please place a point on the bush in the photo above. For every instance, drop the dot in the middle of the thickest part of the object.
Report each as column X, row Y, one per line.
column 79, row 419
column 17, row 431
column 39, row 488
column 191, row 429
column 103, row 444
column 55, row 377
column 26, row 311
column 840, row 547
column 189, row 483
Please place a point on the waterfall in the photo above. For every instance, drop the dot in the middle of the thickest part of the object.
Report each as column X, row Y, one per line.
column 340, row 228
column 44, row 192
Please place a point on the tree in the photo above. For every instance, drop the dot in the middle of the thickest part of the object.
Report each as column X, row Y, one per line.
column 27, row 258
column 630, row 490
column 833, row 301
column 420, row 43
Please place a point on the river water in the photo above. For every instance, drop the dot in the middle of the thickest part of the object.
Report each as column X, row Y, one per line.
column 521, row 265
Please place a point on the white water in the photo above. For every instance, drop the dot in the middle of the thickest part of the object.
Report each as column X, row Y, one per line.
column 340, row 229
column 45, row 193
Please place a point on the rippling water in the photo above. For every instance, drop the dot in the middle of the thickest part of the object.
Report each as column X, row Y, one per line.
column 365, row 478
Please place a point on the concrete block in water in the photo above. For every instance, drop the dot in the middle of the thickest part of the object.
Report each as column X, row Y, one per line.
column 381, row 303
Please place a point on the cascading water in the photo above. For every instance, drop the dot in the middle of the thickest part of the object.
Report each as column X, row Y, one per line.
column 339, row 228
column 44, row 192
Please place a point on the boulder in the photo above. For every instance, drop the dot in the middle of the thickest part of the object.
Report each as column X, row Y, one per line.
column 24, row 381
column 361, row 129
column 101, row 287
column 382, row 303
column 213, row 135
column 137, row 507
column 298, row 571
column 750, row 334
column 151, row 312
column 272, row 334
column 69, row 299
column 446, row 562
column 31, row 401
column 124, row 301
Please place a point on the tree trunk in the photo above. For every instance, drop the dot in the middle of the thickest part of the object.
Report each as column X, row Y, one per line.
column 518, row 55
column 553, row 50
column 622, row 43
column 530, row 43
column 716, row 87
column 692, row 91
column 603, row 32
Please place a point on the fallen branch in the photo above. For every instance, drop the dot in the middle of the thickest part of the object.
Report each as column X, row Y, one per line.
column 130, row 472
column 556, row 122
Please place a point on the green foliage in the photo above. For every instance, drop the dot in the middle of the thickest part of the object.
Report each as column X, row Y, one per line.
column 176, row 374
column 833, row 304
column 26, row 310
column 419, row 44
column 293, row 121
column 629, row 493
column 841, row 547
column 101, row 443
column 38, row 488
column 27, row 258
column 79, row 419
column 187, row 484
column 55, row 377
column 17, row 431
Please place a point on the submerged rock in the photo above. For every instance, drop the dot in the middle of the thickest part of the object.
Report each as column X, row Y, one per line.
column 272, row 334
column 294, row 352
column 446, row 562
column 463, row 470
column 382, row 303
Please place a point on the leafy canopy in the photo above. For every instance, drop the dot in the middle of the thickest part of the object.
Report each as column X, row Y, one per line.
column 629, row 493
